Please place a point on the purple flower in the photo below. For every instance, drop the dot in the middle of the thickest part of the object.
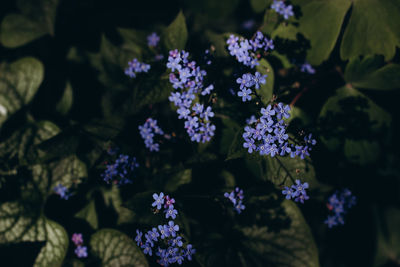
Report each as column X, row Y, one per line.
column 62, row 191
column 163, row 231
column 288, row 192
column 258, row 79
column 171, row 212
column 172, row 228
column 77, row 239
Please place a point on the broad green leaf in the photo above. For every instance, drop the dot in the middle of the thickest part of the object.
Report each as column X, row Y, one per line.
column 88, row 213
column 289, row 247
column 236, row 149
column 297, row 114
column 281, row 171
column 266, row 90
column 21, row 222
column 260, row 5
column 176, row 34
column 368, row 73
column 37, row 19
column 387, row 236
column 229, row 144
column 133, row 40
column 270, row 21
column 322, row 12
column 66, row 101
column 22, row 143
column 19, row 82
column 55, row 250
column 182, row 177
column 286, row 64
column 372, row 29
column 116, row 249
column 350, row 115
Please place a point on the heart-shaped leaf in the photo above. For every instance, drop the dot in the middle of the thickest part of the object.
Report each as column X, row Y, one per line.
column 175, row 35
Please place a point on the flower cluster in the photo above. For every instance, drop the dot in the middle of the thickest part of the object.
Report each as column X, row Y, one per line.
column 247, row 81
column 170, row 245
column 80, row 251
column 135, row 66
column 280, row 7
column 189, row 78
column 269, row 137
column 245, row 50
column 147, row 131
column 153, row 39
column 120, row 171
column 296, row 191
column 307, row 68
column 236, row 197
column 339, row 203
column 62, row 191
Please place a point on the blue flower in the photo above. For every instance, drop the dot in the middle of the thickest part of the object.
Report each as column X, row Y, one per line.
column 176, row 242
column 159, row 200
column 287, row 12
column 339, row 203
column 245, row 94
column 62, row 191
column 331, row 221
column 147, row 249
column 135, row 66
column 258, row 79
column 282, row 111
column 236, row 198
column 172, row 228
column 299, row 188
column 81, row 252
column 189, row 251
column 153, row 39
column 138, row 237
column 171, row 212
column 163, row 231
column 288, row 192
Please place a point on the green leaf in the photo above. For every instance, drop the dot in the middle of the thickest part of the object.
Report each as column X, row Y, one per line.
column 280, row 169
column 133, row 40
column 350, row 116
column 372, row 29
column 218, row 41
column 88, row 213
column 266, row 90
column 387, row 236
column 289, row 247
column 19, row 82
column 260, row 5
column 325, row 12
column 65, row 103
column 176, row 34
column 270, row 21
column 37, row 19
column 182, row 177
column 55, row 250
column 230, row 141
column 17, row 30
column 368, row 73
column 297, row 114
column 116, row 249
column 286, row 64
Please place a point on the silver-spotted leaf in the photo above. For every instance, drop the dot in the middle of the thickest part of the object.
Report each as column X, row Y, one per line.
column 116, row 249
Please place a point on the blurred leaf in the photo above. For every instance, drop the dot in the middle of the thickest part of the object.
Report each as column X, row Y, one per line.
column 66, row 101
column 266, row 90
column 116, row 249
column 112, row 199
column 55, row 250
column 289, row 247
column 176, row 34
column 236, row 149
column 350, row 115
column 19, row 82
column 388, row 236
column 361, row 151
column 133, row 40
column 183, row 177
column 325, row 12
column 372, row 29
column 297, row 114
column 260, row 5
column 286, row 64
column 88, row 213
column 36, row 20
column 270, row 21
column 230, row 144
column 219, row 42
column 285, row 31
column 368, row 73
column 280, row 173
